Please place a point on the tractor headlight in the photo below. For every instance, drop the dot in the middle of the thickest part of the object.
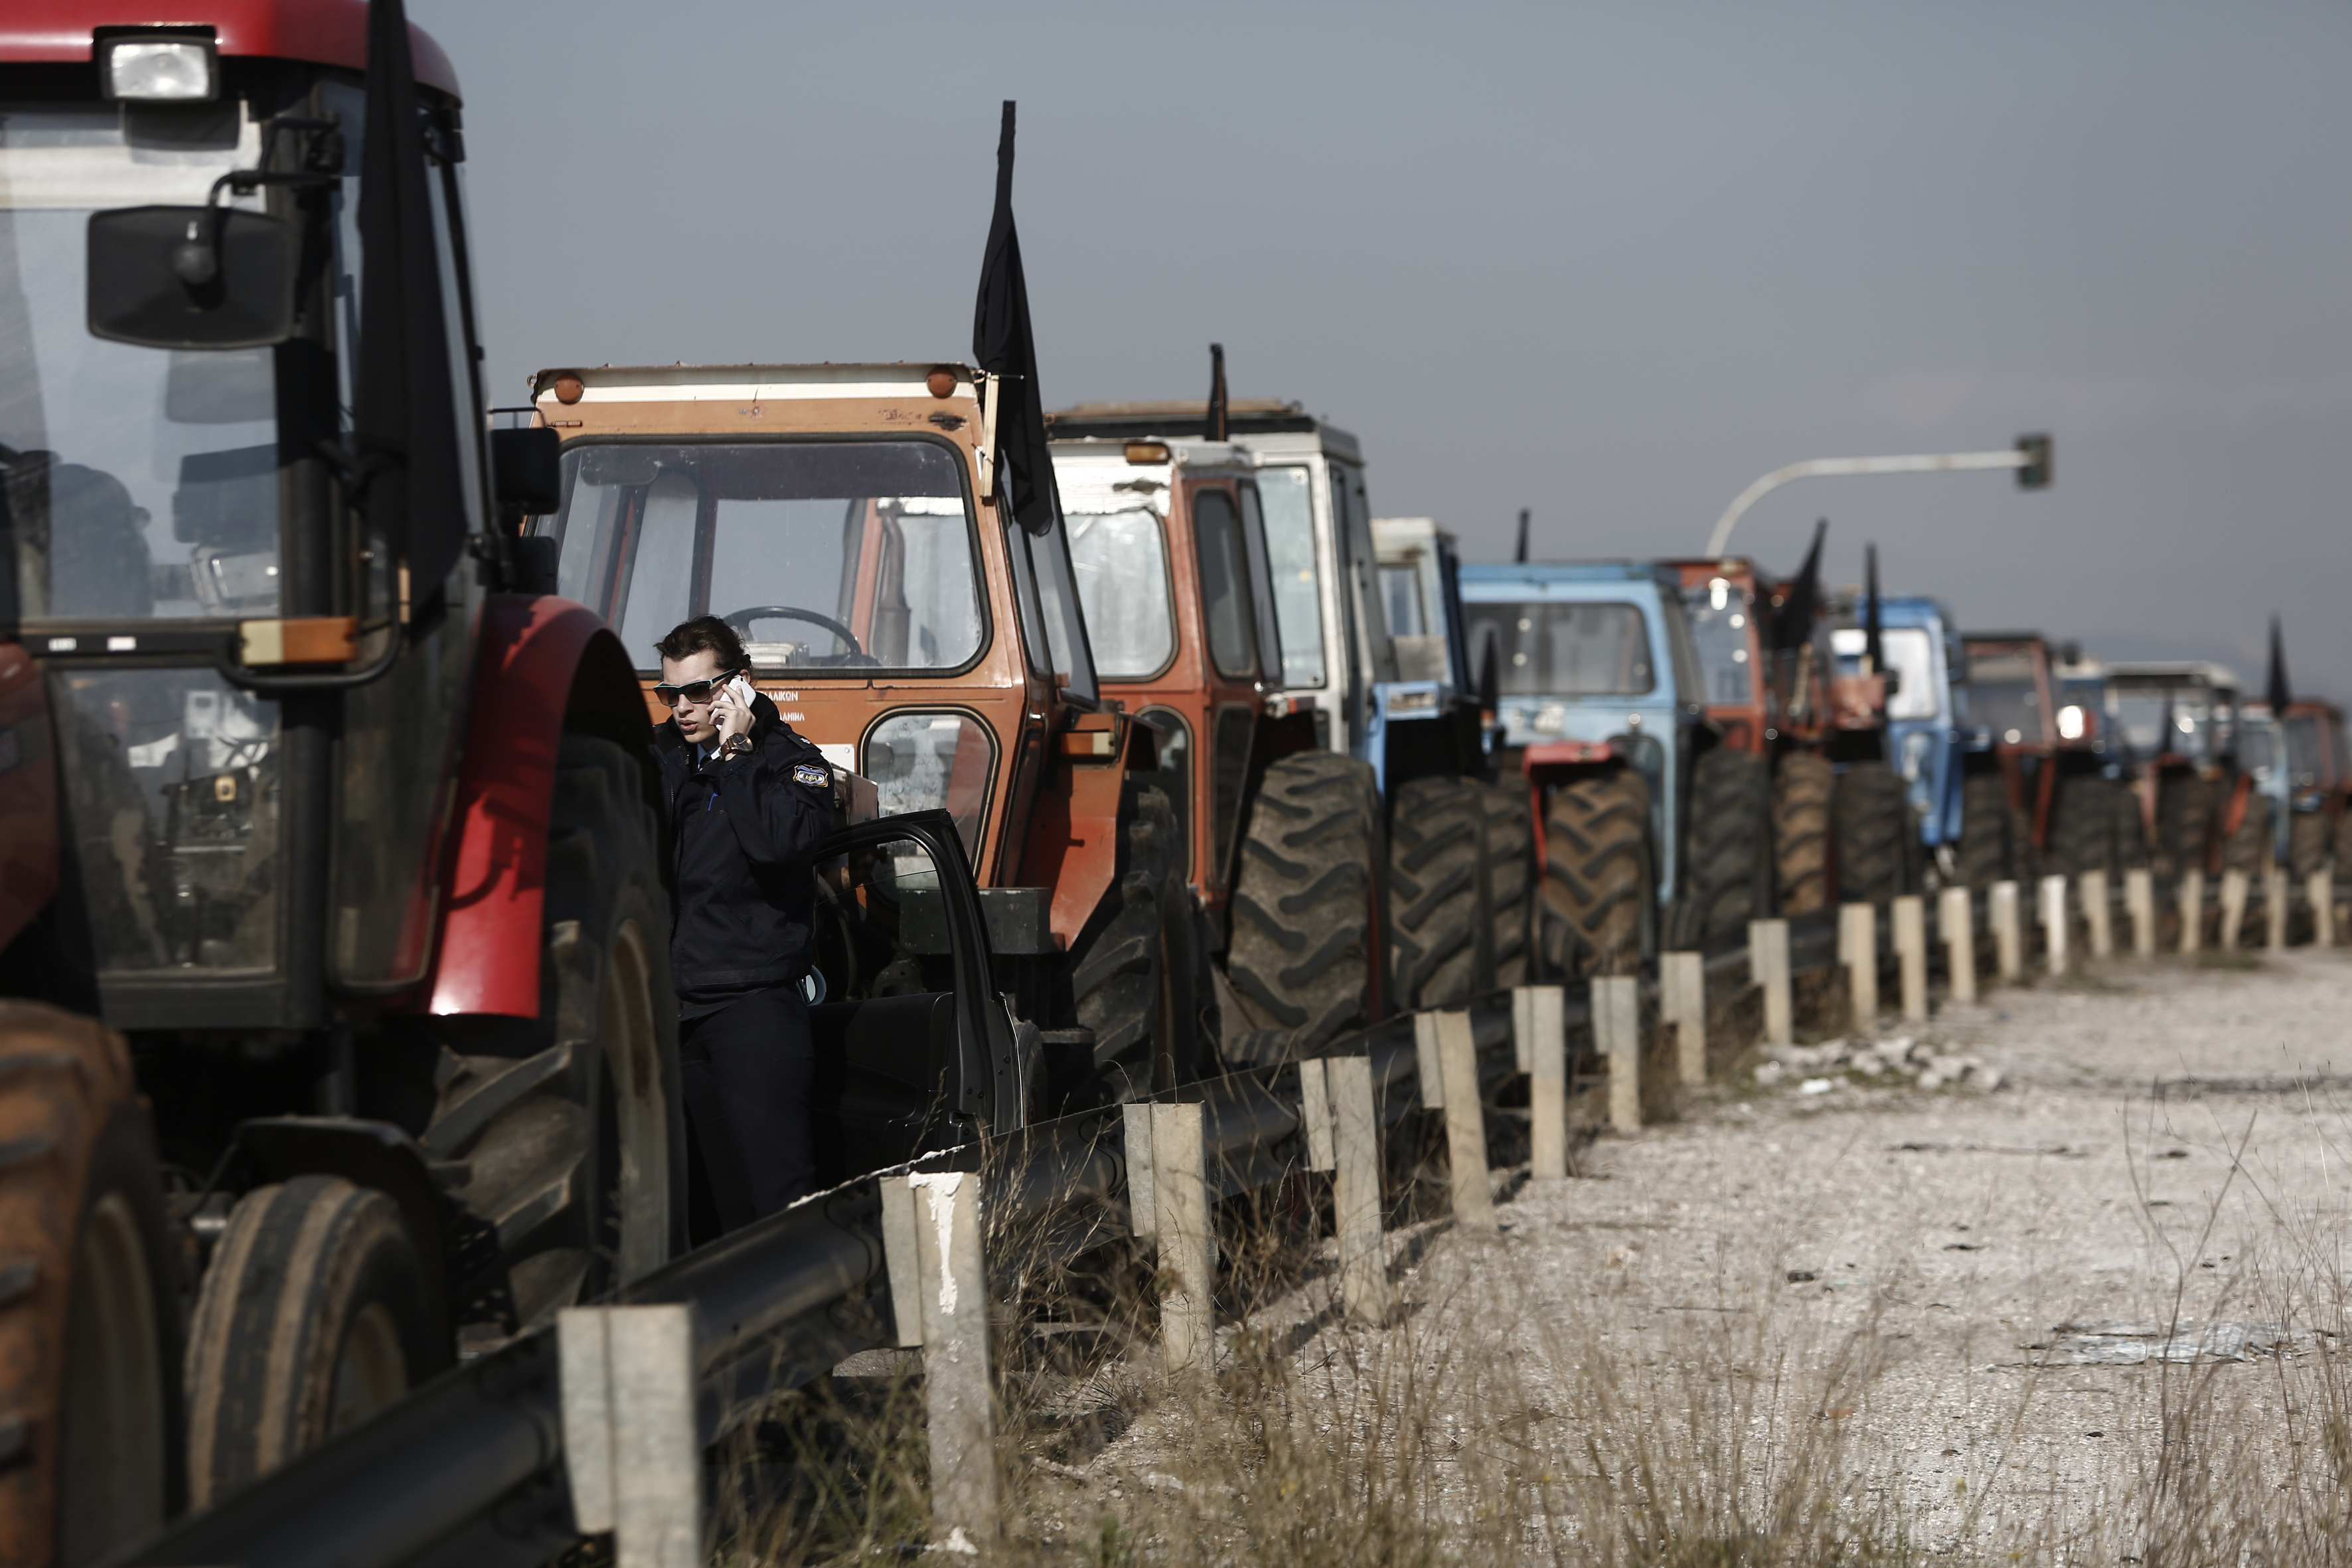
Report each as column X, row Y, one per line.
column 159, row 71
column 2069, row 722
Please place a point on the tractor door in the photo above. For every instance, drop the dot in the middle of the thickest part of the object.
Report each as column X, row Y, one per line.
column 913, row 1050
column 1230, row 565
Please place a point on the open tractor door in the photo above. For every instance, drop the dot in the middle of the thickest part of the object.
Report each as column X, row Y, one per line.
column 340, row 1038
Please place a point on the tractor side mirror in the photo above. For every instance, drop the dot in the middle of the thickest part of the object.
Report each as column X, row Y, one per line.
column 527, row 469
column 1894, row 680
column 191, row 278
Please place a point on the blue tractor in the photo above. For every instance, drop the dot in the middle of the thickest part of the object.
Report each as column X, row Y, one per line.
column 1598, row 703
column 1926, row 712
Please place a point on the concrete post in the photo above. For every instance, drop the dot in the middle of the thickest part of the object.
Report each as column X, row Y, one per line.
column 1681, row 1002
column 2235, row 886
column 2193, row 909
column 1955, row 917
column 2056, row 928
column 1180, row 1219
column 1345, row 1140
column 1539, row 1030
column 2320, row 888
column 1465, row 1120
column 2274, row 906
column 958, row 1395
column 631, row 1448
column 1858, row 951
column 1617, row 1027
column 2139, row 904
column 1910, row 912
column 2008, row 941
column 1767, row 967
column 2093, row 890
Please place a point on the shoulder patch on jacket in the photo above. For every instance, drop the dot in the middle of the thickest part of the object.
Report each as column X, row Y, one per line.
column 813, row 774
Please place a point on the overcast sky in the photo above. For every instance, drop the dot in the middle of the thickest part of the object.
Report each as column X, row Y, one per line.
column 1610, row 262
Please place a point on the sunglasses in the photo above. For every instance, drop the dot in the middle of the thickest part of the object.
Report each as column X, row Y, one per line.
column 695, row 691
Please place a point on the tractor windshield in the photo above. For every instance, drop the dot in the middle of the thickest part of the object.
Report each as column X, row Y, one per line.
column 827, row 557
column 2307, row 759
column 2156, row 719
column 1120, row 560
column 2004, row 698
column 1718, row 624
column 135, row 482
column 1285, row 494
column 1551, row 649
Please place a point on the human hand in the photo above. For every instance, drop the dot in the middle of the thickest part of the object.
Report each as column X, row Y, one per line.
column 730, row 709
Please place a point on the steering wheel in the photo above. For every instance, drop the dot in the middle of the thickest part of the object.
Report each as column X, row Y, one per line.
column 741, row 621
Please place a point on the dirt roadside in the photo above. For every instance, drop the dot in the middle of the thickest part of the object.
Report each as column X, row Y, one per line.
column 1850, row 1318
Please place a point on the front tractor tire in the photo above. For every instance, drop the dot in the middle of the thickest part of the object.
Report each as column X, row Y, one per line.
column 1984, row 831
column 1304, row 948
column 92, row 1438
column 1731, row 844
column 1134, row 971
column 1436, row 912
column 1804, row 788
column 1510, row 852
column 1597, row 885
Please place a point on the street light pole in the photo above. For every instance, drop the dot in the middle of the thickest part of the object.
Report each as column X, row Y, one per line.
column 2031, row 458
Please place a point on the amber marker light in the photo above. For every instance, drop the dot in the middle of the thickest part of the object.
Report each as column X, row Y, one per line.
column 1147, row 452
column 568, row 389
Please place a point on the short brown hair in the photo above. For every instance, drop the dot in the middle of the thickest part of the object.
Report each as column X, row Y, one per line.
column 704, row 634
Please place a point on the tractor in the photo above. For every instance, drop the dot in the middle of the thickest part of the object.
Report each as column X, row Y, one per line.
column 1369, row 742
column 1925, row 706
column 2037, row 792
column 1597, row 694
column 2197, row 808
column 338, row 1041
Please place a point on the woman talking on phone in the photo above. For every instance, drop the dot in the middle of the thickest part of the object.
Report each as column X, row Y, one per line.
column 748, row 802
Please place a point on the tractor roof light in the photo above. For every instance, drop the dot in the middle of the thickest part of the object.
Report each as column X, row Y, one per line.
column 158, row 69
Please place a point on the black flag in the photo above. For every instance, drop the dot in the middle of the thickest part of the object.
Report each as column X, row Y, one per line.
column 1800, row 597
column 1522, row 556
column 1874, row 645
column 2279, row 689
column 406, row 413
column 1216, row 421
column 1002, row 345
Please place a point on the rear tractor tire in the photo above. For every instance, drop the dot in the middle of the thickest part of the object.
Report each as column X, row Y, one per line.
column 2307, row 843
column 1510, row 851
column 2084, row 834
column 2253, row 846
column 1597, row 885
column 1435, row 913
column 1303, row 952
column 1984, row 832
column 1875, row 836
column 2184, row 820
column 1731, row 844
column 91, row 1454
column 1803, row 788
column 1134, row 975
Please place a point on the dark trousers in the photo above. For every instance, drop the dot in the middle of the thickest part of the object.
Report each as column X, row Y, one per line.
column 748, row 1065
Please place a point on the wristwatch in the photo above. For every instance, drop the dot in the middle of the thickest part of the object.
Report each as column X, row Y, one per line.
column 734, row 746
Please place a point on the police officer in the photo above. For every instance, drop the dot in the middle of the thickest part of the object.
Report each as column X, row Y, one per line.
column 749, row 800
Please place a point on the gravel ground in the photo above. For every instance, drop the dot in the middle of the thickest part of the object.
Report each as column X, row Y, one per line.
column 1826, row 1306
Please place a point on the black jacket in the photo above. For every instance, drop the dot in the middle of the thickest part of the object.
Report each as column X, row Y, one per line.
column 741, row 834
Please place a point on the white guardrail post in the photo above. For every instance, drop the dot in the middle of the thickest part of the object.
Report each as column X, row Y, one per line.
column 1617, row 1030
column 1858, row 951
column 630, row 1447
column 1540, row 1036
column 2139, row 904
column 2320, row 888
column 2056, row 928
column 2235, row 888
column 1446, row 1037
column 2093, row 890
column 1168, row 1198
column 1682, row 1002
column 1768, row 968
column 939, row 1296
column 1910, row 916
column 1343, row 1137
column 2274, row 906
column 2008, row 941
column 2193, row 909
column 1956, row 921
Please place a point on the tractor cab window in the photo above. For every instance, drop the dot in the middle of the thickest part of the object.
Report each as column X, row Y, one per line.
column 1224, row 582
column 135, row 482
column 827, row 557
column 1549, row 649
column 1287, row 494
column 2256, row 750
column 2157, row 719
column 1718, row 623
column 1120, row 560
column 2003, row 697
column 2305, row 760
column 1910, row 658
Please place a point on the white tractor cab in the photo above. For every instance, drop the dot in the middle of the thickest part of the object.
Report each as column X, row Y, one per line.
column 1448, row 846
column 2179, row 723
column 1600, row 699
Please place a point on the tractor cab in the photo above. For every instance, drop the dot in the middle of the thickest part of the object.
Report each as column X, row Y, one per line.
column 2041, row 790
column 1600, row 708
column 2299, row 760
column 2180, row 726
column 1431, row 719
column 1926, row 702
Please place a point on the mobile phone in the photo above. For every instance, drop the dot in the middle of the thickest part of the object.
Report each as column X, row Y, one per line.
column 741, row 690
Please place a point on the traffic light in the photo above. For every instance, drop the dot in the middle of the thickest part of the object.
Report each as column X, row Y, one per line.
column 2033, row 474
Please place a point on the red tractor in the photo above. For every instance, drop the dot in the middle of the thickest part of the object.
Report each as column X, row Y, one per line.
column 338, row 1041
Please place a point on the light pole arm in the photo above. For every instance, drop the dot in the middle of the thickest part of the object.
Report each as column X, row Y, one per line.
column 1826, row 467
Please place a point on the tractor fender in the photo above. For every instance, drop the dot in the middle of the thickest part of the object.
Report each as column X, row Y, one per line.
column 541, row 664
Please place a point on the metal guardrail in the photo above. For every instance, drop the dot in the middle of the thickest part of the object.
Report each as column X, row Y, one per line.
column 468, row 1471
